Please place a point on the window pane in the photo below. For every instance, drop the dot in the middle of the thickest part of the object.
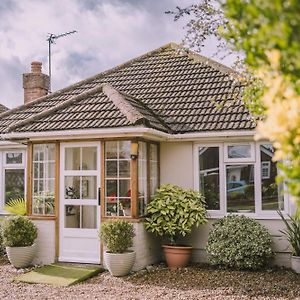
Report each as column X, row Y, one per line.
column 209, row 176
column 153, row 168
column 240, row 188
column 72, row 158
column 124, row 188
column 111, row 150
column 125, row 207
column 272, row 193
column 89, row 158
column 14, row 184
column 124, row 168
column 14, row 158
column 239, row 151
column 124, row 150
column 111, row 168
column 142, row 178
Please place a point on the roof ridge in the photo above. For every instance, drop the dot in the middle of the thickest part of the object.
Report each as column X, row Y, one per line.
column 161, row 121
column 130, row 112
column 59, row 106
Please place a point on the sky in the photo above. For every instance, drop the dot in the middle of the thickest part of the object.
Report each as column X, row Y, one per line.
column 110, row 32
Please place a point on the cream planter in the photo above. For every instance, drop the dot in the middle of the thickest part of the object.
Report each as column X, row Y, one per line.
column 21, row 257
column 295, row 264
column 119, row 264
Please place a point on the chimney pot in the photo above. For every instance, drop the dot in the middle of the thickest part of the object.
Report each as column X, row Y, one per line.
column 35, row 84
column 36, row 67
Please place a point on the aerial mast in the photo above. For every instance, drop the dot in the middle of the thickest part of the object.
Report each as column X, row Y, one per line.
column 51, row 40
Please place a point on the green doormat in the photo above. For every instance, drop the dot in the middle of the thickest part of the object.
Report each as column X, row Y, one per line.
column 59, row 274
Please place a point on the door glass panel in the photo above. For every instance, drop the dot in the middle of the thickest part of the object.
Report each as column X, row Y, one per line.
column 72, row 158
column 89, row 187
column 89, row 216
column 72, row 216
column 89, row 158
column 72, row 187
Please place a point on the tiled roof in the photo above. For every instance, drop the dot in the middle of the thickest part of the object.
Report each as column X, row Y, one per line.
column 166, row 89
column 3, row 108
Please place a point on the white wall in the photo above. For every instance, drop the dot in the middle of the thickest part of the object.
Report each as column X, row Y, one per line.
column 45, row 242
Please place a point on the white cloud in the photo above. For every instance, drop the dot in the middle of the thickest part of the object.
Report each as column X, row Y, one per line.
column 109, row 33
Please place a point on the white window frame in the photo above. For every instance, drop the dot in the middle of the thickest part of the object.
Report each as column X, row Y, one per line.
column 5, row 166
column 255, row 160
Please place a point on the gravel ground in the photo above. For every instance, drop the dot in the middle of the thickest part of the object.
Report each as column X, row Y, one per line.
column 196, row 282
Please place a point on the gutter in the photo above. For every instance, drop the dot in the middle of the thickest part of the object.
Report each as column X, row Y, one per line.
column 126, row 132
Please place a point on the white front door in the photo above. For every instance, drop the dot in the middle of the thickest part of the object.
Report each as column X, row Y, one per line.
column 79, row 208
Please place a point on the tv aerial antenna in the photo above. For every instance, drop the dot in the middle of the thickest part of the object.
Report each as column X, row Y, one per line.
column 51, row 39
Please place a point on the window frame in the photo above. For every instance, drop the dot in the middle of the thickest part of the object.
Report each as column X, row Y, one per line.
column 255, row 160
column 5, row 166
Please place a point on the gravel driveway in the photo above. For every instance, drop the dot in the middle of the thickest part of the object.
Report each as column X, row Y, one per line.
column 159, row 283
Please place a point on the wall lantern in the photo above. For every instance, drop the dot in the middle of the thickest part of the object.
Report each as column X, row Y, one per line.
column 134, row 149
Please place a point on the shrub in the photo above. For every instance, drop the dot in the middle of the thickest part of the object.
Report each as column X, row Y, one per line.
column 117, row 235
column 239, row 242
column 18, row 231
column 174, row 211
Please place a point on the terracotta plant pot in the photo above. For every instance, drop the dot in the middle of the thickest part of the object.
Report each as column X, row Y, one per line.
column 295, row 264
column 119, row 264
column 21, row 257
column 177, row 256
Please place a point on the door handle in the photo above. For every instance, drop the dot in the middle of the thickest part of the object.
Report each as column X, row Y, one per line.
column 99, row 196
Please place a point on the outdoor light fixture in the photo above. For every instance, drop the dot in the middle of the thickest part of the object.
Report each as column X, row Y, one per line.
column 134, row 148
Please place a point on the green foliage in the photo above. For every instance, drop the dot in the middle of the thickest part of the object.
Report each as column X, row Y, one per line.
column 174, row 211
column 117, row 235
column 292, row 231
column 16, row 206
column 18, row 231
column 2, row 248
column 239, row 242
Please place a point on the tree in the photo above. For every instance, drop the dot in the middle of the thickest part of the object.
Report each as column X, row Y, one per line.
column 267, row 33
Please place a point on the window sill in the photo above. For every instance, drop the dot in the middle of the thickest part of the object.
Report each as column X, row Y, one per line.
column 127, row 218
column 271, row 216
column 41, row 217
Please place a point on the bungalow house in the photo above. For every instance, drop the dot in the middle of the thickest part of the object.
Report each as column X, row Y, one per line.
column 98, row 149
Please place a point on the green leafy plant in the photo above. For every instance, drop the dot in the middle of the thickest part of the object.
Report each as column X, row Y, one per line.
column 174, row 211
column 117, row 235
column 239, row 242
column 292, row 231
column 2, row 247
column 18, row 231
column 16, row 206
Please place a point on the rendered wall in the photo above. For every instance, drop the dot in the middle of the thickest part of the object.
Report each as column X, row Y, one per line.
column 45, row 242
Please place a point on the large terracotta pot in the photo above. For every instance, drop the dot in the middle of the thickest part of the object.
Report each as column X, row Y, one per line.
column 295, row 264
column 119, row 264
column 177, row 256
column 21, row 257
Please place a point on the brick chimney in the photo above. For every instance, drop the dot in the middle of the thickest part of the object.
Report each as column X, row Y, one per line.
column 35, row 84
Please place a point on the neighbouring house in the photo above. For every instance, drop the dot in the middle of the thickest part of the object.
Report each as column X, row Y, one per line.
column 98, row 149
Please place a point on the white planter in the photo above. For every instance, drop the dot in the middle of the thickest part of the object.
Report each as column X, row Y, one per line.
column 295, row 264
column 119, row 264
column 21, row 257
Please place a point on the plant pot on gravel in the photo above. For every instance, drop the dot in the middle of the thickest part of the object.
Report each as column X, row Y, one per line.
column 117, row 236
column 172, row 213
column 19, row 234
column 292, row 233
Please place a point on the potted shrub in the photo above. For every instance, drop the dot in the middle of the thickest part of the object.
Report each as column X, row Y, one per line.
column 117, row 236
column 292, row 233
column 19, row 234
column 172, row 213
